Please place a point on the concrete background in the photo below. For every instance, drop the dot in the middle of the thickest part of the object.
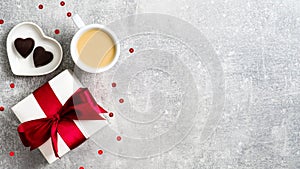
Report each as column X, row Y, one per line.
column 257, row 43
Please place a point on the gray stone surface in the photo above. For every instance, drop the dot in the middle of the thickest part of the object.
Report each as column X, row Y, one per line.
column 258, row 45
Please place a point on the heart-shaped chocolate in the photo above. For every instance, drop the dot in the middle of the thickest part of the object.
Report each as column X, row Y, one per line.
column 26, row 67
column 41, row 57
column 24, row 46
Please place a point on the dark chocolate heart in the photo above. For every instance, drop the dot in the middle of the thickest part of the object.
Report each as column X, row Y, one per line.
column 41, row 57
column 24, row 46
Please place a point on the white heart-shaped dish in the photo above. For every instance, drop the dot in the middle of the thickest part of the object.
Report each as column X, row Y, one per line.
column 25, row 66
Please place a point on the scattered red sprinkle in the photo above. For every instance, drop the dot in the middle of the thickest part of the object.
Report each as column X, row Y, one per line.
column 113, row 84
column 1, row 21
column 119, row 138
column 62, row 3
column 57, row 31
column 111, row 114
column 11, row 153
column 69, row 14
column 121, row 100
column 131, row 50
column 12, row 85
column 1, row 108
column 100, row 152
column 41, row 6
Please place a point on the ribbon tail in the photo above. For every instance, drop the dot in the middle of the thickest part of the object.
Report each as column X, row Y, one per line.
column 101, row 109
column 54, row 138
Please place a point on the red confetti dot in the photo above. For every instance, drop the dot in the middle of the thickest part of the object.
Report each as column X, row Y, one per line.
column 81, row 167
column 131, row 50
column 119, row 138
column 1, row 21
column 100, row 152
column 69, row 14
column 111, row 114
column 12, row 85
column 62, row 3
column 41, row 6
column 57, row 31
column 113, row 84
column 1, row 108
column 11, row 153
column 121, row 100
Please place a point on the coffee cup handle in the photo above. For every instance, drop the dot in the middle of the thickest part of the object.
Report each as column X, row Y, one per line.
column 78, row 21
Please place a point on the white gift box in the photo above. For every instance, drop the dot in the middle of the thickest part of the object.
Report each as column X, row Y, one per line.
column 63, row 85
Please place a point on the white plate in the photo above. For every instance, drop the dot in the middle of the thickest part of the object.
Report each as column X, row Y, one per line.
column 25, row 66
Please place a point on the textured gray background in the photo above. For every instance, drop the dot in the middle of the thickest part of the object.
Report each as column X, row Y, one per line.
column 258, row 44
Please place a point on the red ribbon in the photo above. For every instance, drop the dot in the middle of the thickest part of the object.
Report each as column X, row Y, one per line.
column 81, row 105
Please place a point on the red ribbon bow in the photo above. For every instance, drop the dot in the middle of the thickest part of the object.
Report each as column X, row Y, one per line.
column 81, row 105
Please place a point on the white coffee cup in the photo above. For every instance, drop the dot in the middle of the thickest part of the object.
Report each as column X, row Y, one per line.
column 84, row 28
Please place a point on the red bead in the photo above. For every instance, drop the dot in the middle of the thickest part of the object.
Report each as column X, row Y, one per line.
column 131, row 50
column 119, row 138
column 57, row 31
column 11, row 153
column 100, row 152
column 12, row 85
column 113, row 84
column 121, row 100
column 62, row 3
column 1, row 108
column 81, row 167
column 111, row 114
column 69, row 14
column 41, row 6
column 1, row 21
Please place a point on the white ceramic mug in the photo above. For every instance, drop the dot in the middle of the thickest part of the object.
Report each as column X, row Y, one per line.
column 84, row 28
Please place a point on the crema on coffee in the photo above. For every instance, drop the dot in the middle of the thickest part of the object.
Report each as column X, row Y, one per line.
column 96, row 48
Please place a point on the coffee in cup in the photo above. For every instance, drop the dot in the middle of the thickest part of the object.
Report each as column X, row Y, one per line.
column 94, row 47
